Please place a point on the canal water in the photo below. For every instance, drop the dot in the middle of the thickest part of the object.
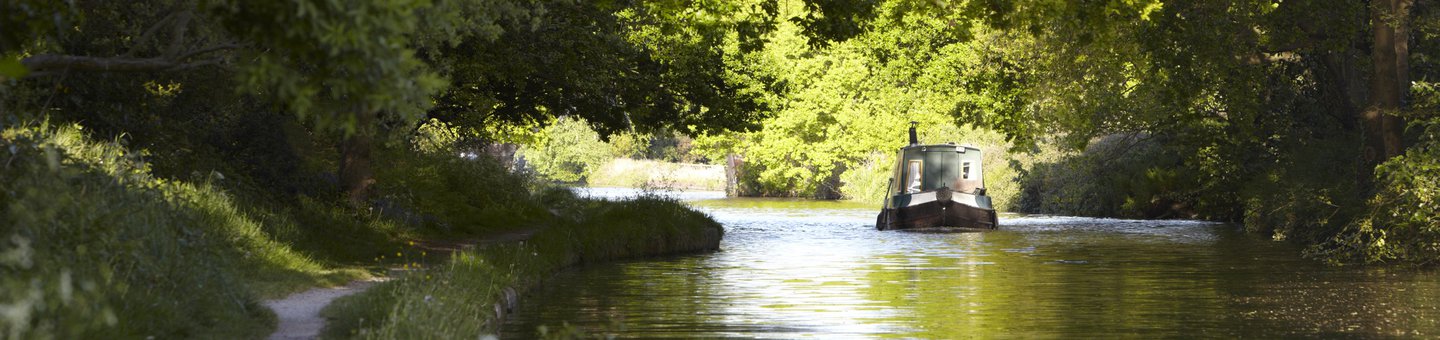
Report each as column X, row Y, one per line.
column 797, row 268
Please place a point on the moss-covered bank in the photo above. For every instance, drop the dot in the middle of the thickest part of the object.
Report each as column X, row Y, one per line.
column 468, row 296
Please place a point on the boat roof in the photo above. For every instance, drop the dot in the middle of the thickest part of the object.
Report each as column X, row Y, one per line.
column 945, row 145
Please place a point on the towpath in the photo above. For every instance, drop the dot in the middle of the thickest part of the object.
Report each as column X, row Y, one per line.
column 299, row 314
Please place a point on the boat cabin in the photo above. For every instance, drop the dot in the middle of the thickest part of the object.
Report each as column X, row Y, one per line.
column 922, row 168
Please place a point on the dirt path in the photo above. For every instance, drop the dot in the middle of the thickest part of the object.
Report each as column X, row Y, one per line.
column 299, row 313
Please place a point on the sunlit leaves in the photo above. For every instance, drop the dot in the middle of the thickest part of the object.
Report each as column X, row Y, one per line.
column 840, row 105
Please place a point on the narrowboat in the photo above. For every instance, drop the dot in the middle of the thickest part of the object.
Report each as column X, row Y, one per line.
column 937, row 186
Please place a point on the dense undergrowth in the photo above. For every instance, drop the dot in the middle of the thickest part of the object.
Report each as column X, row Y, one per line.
column 1307, row 193
column 1401, row 222
column 465, row 297
column 424, row 183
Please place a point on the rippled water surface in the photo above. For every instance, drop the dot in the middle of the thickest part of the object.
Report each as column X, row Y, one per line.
column 793, row 268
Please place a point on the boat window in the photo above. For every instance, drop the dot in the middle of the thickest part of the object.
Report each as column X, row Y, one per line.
column 965, row 170
column 913, row 173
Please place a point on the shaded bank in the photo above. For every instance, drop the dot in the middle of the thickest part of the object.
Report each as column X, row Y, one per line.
column 98, row 239
column 470, row 294
column 93, row 245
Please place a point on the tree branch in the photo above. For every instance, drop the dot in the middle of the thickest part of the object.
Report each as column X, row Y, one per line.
column 49, row 64
column 177, row 37
column 135, row 45
column 208, row 50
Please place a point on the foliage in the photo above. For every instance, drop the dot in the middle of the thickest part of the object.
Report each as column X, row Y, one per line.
column 629, row 145
column 20, row 22
column 1401, row 223
column 568, row 151
column 621, row 66
column 844, row 109
column 95, row 246
column 431, row 185
column 1126, row 177
column 333, row 61
column 636, row 173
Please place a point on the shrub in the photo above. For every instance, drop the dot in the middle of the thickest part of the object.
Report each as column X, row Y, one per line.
column 568, row 151
column 449, row 193
column 1401, row 222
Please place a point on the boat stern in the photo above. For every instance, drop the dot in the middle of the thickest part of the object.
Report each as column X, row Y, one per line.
column 939, row 208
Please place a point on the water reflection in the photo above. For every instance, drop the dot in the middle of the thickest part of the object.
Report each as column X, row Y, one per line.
column 791, row 268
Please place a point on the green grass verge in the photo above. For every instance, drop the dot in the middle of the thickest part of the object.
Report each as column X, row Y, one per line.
column 93, row 246
column 93, row 243
column 459, row 299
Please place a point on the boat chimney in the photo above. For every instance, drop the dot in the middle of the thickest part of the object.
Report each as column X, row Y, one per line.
column 913, row 141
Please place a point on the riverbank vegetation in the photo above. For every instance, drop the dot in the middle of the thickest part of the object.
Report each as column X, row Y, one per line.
column 570, row 151
column 213, row 152
column 167, row 164
column 1287, row 118
column 96, row 246
column 471, row 293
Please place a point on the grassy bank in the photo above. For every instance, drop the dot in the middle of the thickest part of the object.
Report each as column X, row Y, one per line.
column 638, row 173
column 98, row 239
column 468, row 296
column 94, row 246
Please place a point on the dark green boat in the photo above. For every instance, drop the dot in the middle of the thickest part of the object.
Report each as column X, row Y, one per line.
column 938, row 186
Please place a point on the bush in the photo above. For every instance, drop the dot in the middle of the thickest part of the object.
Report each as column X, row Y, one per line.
column 1401, row 222
column 1112, row 177
column 568, row 152
column 428, row 183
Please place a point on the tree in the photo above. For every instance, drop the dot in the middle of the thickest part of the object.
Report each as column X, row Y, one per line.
column 343, row 66
column 1390, row 80
column 622, row 65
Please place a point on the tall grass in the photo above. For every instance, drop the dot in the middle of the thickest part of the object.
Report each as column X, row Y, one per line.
column 92, row 245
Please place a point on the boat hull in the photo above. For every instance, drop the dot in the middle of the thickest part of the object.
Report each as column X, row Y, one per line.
column 939, row 209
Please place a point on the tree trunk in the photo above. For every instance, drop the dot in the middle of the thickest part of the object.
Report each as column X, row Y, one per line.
column 734, row 172
column 355, row 174
column 1390, row 54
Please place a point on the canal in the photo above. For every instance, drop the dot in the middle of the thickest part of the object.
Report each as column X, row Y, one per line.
column 797, row 268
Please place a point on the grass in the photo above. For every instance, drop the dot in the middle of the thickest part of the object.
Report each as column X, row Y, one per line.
column 466, row 297
column 633, row 173
column 92, row 245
